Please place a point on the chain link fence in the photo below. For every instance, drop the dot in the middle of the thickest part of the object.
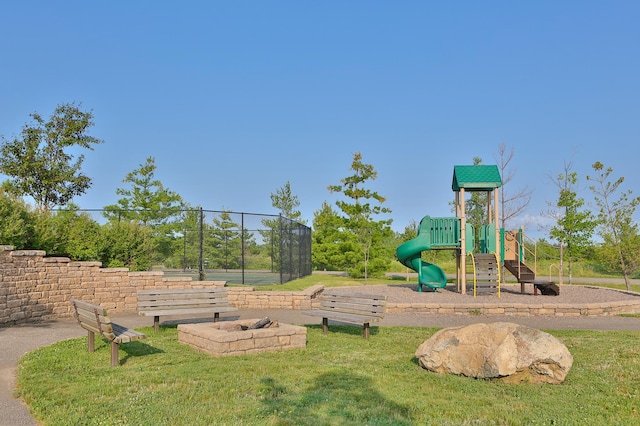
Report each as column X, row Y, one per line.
column 237, row 247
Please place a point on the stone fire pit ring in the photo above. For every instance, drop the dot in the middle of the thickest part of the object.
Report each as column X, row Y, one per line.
column 226, row 338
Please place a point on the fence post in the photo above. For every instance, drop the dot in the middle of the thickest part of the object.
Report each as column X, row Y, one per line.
column 201, row 274
column 242, row 236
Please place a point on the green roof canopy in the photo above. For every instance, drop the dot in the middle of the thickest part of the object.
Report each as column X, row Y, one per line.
column 476, row 178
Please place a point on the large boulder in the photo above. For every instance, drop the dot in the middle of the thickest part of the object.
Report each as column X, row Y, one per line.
column 501, row 350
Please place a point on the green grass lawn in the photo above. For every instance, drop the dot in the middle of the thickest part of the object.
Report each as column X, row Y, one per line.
column 338, row 379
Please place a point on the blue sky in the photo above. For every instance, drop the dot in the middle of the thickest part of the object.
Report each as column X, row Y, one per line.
column 234, row 99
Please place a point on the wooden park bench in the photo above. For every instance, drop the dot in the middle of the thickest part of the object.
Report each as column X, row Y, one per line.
column 95, row 320
column 355, row 308
column 192, row 301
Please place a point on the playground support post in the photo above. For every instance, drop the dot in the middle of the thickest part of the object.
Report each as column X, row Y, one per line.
column 496, row 208
column 462, row 259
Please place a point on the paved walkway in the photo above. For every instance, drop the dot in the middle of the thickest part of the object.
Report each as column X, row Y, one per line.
column 15, row 341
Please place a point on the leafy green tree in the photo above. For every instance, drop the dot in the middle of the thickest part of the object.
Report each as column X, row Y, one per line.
column 332, row 248
column 70, row 233
column 359, row 218
column 574, row 225
column 16, row 221
column 39, row 162
column 149, row 203
column 126, row 245
column 621, row 243
column 476, row 207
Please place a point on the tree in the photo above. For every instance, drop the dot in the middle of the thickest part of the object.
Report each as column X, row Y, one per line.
column 574, row 225
column 476, row 209
column 39, row 161
column 186, row 251
column 511, row 203
column 125, row 245
column 617, row 227
column 16, row 221
column 287, row 203
column 68, row 232
column 359, row 215
column 331, row 249
column 224, row 243
column 149, row 203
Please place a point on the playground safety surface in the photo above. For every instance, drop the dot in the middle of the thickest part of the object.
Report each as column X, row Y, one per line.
column 509, row 293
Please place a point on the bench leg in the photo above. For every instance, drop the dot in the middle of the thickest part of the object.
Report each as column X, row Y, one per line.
column 91, row 338
column 216, row 316
column 325, row 325
column 114, row 354
column 156, row 323
column 366, row 330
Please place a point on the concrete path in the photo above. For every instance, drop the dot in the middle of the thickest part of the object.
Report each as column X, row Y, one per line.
column 16, row 341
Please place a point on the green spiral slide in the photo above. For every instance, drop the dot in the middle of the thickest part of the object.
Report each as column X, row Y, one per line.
column 409, row 255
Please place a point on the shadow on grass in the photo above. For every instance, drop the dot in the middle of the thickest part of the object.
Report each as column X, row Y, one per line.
column 132, row 349
column 337, row 397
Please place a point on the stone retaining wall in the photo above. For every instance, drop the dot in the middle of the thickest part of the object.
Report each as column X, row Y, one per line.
column 249, row 298
column 518, row 309
column 34, row 288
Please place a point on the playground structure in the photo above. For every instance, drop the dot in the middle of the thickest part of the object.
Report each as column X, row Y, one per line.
column 455, row 233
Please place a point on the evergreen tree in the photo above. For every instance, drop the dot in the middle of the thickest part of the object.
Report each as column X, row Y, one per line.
column 150, row 204
column 359, row 218
column 223, row 244
column 287, row 203
column 186, row 245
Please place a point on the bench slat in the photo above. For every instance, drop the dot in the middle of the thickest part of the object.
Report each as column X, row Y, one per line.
column 182, row 303
column 159, row 303
column 187, row 292
column 124, row 334
column 354, row 308
column 169, row 311
column 182, row 296
column 344, row 316
column 355, row 296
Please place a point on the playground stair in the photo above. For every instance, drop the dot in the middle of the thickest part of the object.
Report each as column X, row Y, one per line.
column 487, row 274
column 524, row 275
column 521, row 271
